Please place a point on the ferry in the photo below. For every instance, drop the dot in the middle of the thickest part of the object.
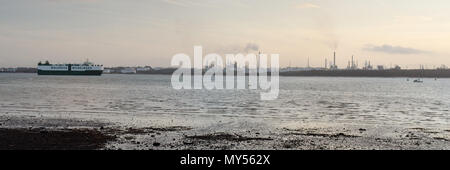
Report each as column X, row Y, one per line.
column 86, row 68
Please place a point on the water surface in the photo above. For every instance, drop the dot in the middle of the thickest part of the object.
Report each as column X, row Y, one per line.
column 150, row 99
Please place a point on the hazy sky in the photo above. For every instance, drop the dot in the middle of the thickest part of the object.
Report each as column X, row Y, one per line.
column 150, row 32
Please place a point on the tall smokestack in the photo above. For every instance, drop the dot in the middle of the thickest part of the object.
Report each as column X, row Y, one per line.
column 308, row 62
column 334, row 59
column 353, row 63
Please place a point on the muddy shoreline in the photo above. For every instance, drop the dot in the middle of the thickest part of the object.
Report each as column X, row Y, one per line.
column 25, row 133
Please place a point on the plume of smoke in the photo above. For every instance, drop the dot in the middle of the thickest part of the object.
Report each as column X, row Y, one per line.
column 251, row 47
column 335, row 43
column 238, row 48
column 326, row 27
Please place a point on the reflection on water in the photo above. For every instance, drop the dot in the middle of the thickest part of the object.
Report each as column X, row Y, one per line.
column 378, row 101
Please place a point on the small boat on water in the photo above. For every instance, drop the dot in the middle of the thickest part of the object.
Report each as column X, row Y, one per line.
column 418, row 81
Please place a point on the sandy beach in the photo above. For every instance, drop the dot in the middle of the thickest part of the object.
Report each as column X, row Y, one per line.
column 18, row 132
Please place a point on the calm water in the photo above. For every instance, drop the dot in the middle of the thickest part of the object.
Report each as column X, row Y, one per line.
column 150, row 99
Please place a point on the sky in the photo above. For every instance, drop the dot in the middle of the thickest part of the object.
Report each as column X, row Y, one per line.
column 409, row 33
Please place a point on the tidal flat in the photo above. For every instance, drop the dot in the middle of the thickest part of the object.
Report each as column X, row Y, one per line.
column 30, row 133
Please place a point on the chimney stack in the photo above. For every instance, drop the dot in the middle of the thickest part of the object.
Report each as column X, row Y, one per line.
column 308, row 62
column 334, row 66
column 334, row 59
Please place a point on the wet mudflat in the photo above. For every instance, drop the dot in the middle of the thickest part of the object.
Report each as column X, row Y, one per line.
column 44, row 139
column 16, row 133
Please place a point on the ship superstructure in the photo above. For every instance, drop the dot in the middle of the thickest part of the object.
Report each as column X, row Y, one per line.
column 86, row 68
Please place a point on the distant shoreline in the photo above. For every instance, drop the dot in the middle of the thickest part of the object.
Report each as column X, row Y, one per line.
column 434, row 73
column 391, row 73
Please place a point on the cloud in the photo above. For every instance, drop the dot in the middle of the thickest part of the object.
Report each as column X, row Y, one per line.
column 191, row 3
column 393, row 49
column 413, row 19
column 174, row 2
column 73, row 0
column 307, row 5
